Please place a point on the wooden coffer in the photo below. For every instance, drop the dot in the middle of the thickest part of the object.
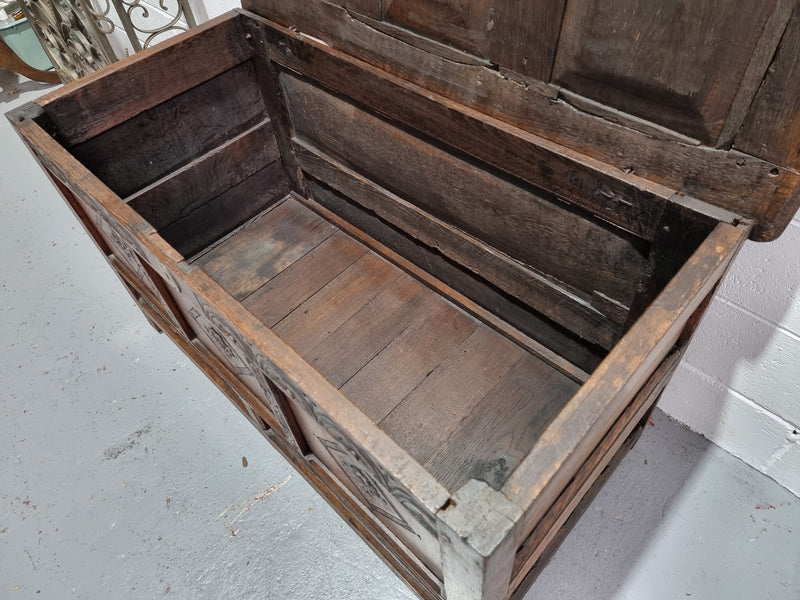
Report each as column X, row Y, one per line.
column 444, row 255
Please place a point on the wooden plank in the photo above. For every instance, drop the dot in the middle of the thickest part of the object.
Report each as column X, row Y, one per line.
column 303, row 278
column 772, row 127
column 566, row 307
column 520, row 36
column 554, row 344
column 353, row 344
column 175, row 132
column 756, row 70
column 100, row 101
column 629, row 202
column 403, row 364
column 427, row 417
column 674, row 65
column 371, row 8
column 732, row 180
column 210, row 222
column 264, row 247
column 524, row 225
column 502, row 428
column 580, row 426
column 206, row 177
column 335, row 303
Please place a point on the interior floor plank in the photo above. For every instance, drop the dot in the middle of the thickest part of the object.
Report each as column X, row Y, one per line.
column 461, row 398
column 390, row 376
column 264, row 247
column 502, row 428
column 341, row 354
column 298, row 282
column 336, row 302
column 427, row 417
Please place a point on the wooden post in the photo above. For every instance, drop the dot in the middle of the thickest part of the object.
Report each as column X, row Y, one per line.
column 475, row 534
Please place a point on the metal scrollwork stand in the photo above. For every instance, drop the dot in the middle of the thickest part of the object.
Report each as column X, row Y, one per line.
column 75, row 33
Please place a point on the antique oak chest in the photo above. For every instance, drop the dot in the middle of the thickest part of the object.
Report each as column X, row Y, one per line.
column 444, row 255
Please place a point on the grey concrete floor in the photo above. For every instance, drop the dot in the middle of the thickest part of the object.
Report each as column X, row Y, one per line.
column 122, row 472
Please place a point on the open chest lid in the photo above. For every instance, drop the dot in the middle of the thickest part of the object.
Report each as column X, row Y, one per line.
column 697, row 100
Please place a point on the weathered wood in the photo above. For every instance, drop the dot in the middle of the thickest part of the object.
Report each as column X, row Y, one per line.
column 264, row 247
column 680, row 233
column 772, row 127
column 665, row 65
column 421, row 425
column 555, row 345
column 407, row 566
column 402, row 365
column 299, row 281
column 99, row 101
column 756, row 71
column 206, row 177
column 335, row 303
column 629, row 202
column 174, row 133
column 579, row 427
column 476, row 541
column 353, row 344
column 526, row 226
column 502, row 428
column 729, row 179
column 565, row 307
column 268, row 84
column 205, row 224
column 520, row 36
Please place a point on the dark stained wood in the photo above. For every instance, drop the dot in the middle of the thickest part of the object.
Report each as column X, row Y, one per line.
column 403, row 364
column 175, row 132
column 270, row 88
column 756, row 71
column 729, row 179
column 528, row 227
column 99, row 101
column 209, row 222
column 353, row 344
column 501, row 429
column 371, row 8
column 206, row 177
column 520, row 36
column 300, row 280
column 629, row 202
column 336, row 302
column 675, row 65
column 580, row 426
column 565, row 307
column 264, row 247
column 556, row 345
column 427, row 417
column 772, row 127
column 680, row 233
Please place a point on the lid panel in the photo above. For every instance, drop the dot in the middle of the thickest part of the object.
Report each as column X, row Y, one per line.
column 493, row 30
column 686, row 75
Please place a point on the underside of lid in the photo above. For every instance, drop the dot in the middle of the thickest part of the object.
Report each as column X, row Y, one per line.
column 699, row 98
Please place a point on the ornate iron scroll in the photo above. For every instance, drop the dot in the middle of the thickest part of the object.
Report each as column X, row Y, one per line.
column 75, row 33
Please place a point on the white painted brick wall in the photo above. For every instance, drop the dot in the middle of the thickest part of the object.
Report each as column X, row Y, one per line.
column 739, row 384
